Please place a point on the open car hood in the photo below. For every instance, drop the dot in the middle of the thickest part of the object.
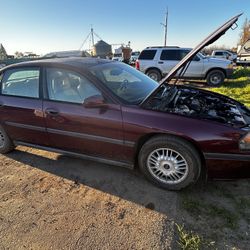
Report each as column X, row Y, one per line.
column 208, row 40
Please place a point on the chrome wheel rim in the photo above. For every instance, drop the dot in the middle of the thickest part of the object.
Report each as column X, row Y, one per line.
column 215, row 79
column 2, row 140
column 167, row 165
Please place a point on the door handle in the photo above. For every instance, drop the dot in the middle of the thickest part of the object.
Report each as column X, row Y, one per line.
column 160, row 62
column 51, row 112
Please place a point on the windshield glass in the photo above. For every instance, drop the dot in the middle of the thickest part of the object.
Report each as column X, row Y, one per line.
column 127, row 83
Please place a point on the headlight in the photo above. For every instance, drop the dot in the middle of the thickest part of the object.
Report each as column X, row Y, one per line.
column 245, row 142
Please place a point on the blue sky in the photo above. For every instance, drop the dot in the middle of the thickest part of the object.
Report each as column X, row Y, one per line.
column 42, row 26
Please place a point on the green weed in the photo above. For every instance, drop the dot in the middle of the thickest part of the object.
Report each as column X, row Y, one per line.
column 238, row 89
column 241, row 72
column 190, row 240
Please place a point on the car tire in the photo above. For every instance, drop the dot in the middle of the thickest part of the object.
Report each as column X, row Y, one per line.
column 169, row 162
column 215, row 78
column 6, row 144
column 154, row 74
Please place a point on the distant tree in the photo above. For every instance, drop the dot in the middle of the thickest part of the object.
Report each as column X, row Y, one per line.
column 245, row 32
column 18, row 54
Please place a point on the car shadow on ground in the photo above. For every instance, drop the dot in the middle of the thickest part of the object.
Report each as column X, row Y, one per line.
column 194, row 83
column 121, row 182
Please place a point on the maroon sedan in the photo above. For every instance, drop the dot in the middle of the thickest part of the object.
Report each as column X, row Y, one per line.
column 107, row 111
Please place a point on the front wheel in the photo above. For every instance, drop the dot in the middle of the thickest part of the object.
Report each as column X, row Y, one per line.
column 169, row 162
column 215, row 78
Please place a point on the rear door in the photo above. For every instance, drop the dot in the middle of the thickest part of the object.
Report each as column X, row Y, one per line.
column 21, row 112
column 147, row 59
column 168, row 59
column 95, row 131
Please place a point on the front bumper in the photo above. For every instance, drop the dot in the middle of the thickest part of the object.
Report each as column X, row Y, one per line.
column 227, row 157
column 227, row 166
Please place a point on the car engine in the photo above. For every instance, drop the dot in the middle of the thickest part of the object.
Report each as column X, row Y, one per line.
column 200, row 104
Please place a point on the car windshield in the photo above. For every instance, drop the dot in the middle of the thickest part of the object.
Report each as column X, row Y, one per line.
column 128, row 84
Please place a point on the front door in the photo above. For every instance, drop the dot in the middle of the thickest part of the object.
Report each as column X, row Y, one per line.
column 21, row 113
column 95, row 131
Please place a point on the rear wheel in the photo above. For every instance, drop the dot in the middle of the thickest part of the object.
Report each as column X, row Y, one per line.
column 169, row 162
column 154, row 74
column 6, row 145
column 215, row 78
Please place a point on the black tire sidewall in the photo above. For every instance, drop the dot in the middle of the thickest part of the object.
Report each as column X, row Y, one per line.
column 8, row 144
column 212, row 73
column 187, row 151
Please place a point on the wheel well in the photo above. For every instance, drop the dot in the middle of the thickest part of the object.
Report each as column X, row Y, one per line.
column 220, row 69
column 153, row 68
column 147, row 137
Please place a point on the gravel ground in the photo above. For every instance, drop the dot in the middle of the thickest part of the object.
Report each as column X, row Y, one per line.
column 50, row 201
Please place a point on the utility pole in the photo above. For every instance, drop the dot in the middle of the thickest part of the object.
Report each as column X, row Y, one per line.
column 92, row 36
column 165, row 25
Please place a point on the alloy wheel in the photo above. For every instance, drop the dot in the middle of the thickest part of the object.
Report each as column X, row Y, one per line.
column 167, row 165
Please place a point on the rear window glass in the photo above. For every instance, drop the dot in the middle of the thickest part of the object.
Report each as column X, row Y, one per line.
column 21, row 82
column 147, row 54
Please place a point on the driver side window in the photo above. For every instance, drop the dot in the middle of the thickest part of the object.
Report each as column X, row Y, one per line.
column 69, row 86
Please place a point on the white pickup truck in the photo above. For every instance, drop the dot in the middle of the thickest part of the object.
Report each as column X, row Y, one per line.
column 226, row 54
column 243, row 58
column 156, row 62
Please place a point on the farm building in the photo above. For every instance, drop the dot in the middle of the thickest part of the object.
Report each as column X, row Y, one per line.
column 3, row 54
column 102, row 49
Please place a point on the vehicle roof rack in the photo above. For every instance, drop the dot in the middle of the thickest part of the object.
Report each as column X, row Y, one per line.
column 156, row 47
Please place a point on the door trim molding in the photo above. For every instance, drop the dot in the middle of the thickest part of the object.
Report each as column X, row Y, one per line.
column 74, row 134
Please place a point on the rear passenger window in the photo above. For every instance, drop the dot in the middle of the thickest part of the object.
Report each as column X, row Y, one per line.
column 147, row 54
column 21, row 82
column 171, row 54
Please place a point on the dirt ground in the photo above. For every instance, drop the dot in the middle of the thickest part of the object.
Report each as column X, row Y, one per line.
column 50, row 201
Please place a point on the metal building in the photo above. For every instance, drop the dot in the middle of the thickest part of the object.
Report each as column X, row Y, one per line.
column 102, row 49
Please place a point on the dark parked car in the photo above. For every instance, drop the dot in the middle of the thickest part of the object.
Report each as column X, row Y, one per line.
column 109, row 112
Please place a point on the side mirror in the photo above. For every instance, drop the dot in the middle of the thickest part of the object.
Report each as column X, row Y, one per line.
column 95, row 101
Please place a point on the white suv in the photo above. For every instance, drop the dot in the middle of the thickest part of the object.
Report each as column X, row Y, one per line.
column 156, row 62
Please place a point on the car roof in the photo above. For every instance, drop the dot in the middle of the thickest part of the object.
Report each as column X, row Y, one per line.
column 165, row 47
column 76, row 62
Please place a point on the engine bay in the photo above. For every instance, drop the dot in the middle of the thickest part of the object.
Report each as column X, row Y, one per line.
column 201, row 104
